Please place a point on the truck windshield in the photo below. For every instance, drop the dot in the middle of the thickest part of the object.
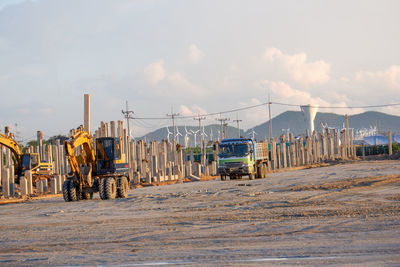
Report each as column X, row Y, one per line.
column 104, row 149
column 233, row 150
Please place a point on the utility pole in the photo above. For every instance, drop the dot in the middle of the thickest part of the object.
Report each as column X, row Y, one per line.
column 127, row 114
column 199, row 118
column 223, row 125
column 173, row 115
column 237, row 121
column 269, row 112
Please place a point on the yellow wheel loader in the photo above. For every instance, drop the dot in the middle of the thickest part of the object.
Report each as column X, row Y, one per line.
column 105, row 171
column 26, row 161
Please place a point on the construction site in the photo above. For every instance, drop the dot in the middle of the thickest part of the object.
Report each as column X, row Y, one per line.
column 101, row 198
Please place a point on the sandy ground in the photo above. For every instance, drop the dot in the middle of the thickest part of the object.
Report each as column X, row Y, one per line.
column 341, row 214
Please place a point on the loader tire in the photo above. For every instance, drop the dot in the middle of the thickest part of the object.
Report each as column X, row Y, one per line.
column 73, row 192
column 65, row 190
column 110, row 188
column 101, row 188
column 123, row 189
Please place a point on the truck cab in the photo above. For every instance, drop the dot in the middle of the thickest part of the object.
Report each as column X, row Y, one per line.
column 236, row 158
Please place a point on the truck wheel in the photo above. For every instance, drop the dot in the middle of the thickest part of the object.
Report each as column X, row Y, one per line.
column 223, row 177
column 251, row 176
column 72, row 192
column 110, row 188
column 65, row 189
column 101, row 188
column 123, row 189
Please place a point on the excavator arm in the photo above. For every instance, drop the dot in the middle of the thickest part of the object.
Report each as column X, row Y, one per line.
column 81, row 138
column 14, row 147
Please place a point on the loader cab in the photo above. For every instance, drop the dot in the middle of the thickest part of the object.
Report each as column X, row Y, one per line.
column 109, row 157
column 29, row 161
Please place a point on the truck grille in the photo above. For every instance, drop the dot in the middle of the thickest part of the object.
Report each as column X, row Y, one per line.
column 233, row 164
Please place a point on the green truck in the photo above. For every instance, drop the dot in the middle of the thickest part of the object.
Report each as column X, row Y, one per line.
column 242, row 157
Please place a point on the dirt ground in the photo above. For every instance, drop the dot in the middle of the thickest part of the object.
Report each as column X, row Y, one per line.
column 340, row 214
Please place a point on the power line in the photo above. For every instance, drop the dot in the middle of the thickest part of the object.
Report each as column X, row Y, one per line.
column 260, row 105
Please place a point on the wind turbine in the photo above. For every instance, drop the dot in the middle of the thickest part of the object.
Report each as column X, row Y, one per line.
column 187, row 133
column 177, row 135
column 131, row 136
column 253, row 133
column 195, row 134
column 169, row 133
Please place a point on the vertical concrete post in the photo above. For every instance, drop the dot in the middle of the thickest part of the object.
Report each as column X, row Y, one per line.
column 154, row 165
column 278, row 155
column 283, row 151
column 292, row 149
column 214, row 168
column 28, row 177
column 39, row 186
column 302, row 157
column 112, row 128
column 60, row 182
column 5, row 175
column 106, row 129
column 40, row 144
column 86, row 113
column 390, row 142
column 273, row 154
column 53, row 185
column 23, row 183
column 45, row 185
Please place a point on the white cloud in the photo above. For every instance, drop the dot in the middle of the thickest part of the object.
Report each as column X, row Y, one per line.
column 299, row 69
column 195, row 54
column 389, row 78
column 191, row 111
column 180, row 84
column 155, row 72
column 282, row 90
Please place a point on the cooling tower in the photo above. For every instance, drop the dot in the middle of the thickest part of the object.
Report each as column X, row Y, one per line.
column 310, row 112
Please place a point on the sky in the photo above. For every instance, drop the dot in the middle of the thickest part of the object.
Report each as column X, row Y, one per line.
column 193, row 56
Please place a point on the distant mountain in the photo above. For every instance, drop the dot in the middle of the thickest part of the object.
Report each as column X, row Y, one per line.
column 295, row 121
column 292, row 120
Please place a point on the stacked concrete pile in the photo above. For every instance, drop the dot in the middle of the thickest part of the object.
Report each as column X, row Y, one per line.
column 155, row 161
column 327, row 146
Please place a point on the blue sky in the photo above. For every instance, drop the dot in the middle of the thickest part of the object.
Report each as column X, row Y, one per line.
column 197, row 56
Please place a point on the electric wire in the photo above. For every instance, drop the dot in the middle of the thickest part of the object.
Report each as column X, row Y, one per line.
column 264, row 104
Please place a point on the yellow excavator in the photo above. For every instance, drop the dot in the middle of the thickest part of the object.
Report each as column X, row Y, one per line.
column 105, row 171
column 26, row 161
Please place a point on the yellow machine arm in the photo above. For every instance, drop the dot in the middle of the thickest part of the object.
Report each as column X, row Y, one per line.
column 13, row 146
column 87, row 156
